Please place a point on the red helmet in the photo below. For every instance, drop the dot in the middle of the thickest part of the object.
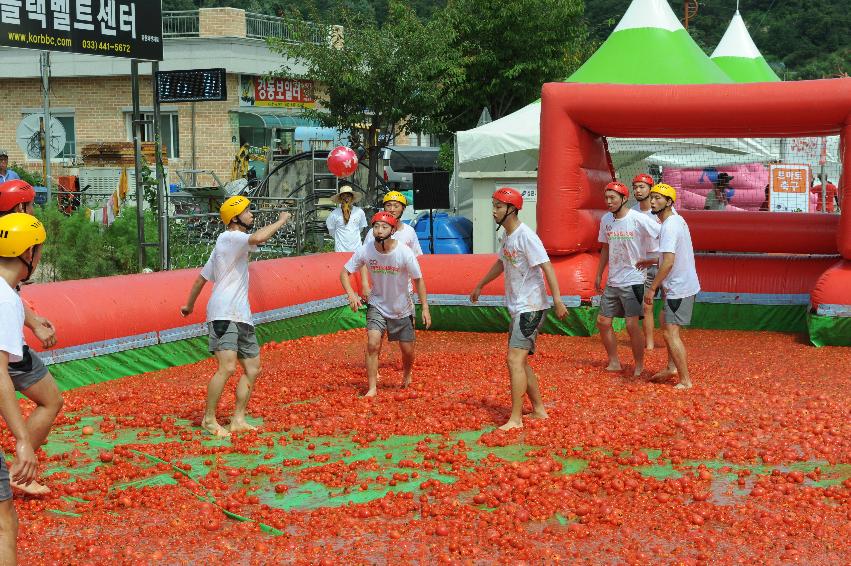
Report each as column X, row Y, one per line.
column 643, row 178
column 509, row 196
column 15, row 192
column 383, row 216
column 619, row 188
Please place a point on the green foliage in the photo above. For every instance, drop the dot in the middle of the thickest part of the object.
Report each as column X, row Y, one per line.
column 384, row 80
column 509, row 49
column 446, row 157
column 34, row 179
column 77, row 248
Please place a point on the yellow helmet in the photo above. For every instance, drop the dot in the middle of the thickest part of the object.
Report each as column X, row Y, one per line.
column 19, row 232
column 665, row 191
column 233, row 207
column 396, row 196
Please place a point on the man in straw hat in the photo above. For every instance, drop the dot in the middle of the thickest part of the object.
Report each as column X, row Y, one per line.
column 346, row 222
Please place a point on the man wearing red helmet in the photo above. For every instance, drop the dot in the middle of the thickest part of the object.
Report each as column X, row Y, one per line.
column 29, row 375
column 524, row 261
column 392, row 266
column 624, row 237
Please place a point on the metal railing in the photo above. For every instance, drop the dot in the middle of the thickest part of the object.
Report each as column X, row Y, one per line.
column 184, row 23
column 260, row 26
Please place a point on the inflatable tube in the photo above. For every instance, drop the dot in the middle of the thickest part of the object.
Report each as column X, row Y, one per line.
column 832, row 292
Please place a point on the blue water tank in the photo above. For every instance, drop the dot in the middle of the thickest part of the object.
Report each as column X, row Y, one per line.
column 452, row 234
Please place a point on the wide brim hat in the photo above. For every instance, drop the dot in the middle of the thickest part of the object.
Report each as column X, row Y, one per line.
column 356, row 195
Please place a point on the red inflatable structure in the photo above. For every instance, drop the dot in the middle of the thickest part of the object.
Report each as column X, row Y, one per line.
column 575, row 166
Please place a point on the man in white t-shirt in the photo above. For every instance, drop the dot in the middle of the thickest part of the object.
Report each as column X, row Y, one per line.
column 231, row 328
column 21, row 236
column 525, row 262
column 641, row 185
column 395, row 203
column 624, row 237
column 677, row 277
column 346, row 222
column 29, row 375
column 392, row 265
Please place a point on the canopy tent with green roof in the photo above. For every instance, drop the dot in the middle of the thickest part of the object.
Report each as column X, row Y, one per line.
column 738, row 56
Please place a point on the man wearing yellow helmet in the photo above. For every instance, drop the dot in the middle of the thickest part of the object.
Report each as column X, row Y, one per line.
column 21, row 236
column 394, row 202
column 677, row 277
column 30, row 376
column 232, row 338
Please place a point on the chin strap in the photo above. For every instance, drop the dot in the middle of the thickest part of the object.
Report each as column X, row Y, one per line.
column 30, row 269
column 504, row 217
column 248, row 227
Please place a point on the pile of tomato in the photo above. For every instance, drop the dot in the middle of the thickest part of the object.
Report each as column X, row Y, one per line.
column 753, row 463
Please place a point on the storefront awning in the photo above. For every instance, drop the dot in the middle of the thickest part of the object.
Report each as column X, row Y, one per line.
column 269, row 120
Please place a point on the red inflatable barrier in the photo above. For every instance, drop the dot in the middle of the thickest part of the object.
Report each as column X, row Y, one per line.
column 573, row 162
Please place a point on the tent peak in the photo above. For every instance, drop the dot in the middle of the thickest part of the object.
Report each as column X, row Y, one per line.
column 649, row 14
column 736, row 42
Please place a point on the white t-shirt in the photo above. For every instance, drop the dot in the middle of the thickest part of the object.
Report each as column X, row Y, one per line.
column 346, row 236
column 675, row 238
column 227, row 269
column 404, row 235
column 391, row 274
column 630, row 239
column 522, row 254
column 11, row 323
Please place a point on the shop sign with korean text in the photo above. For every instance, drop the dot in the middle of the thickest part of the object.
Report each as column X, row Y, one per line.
column 117, row 28
column 275, row 92
column 789, row 188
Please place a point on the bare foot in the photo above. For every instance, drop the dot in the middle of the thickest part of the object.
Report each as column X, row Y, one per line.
column 663, row 375
column 371, row 393
column 539, row 414
column 511, row 425
column 406, row 382
column 638, row 371
column 614, row 366
column 686, row 384
column 214, row 428
column 649, row 347
column 241, row 426
column 34, row 488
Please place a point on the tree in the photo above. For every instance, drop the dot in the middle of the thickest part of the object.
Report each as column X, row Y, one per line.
column 509, row 49
column 385, row 80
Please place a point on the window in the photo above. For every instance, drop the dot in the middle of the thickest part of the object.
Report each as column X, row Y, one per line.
column 169, row 131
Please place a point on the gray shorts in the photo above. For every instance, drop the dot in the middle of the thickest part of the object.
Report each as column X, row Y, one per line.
column 5, row 485
column 28, row 371
column 237, row 337
column 678, row 311
column 523, row 332
column 398, row 329
column 622, row 302
column 652, row 271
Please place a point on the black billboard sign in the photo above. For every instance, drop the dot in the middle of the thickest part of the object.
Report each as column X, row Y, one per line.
column 194, row 85
column 117, row 28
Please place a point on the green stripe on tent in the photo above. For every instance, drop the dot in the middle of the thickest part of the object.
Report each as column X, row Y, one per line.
column 649, row 56
column 744, row 70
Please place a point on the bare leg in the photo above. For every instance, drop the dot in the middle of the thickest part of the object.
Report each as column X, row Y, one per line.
column 519, row 382
column 373, row 351
column 648, row 327
column 407, row 349
column 8, row 533
column 671, row 369
column 637, row 341
column 534, row 393
column 244, row 387
column 227, row 365
column 610, row 342
column 678, row 354
column 48, row 402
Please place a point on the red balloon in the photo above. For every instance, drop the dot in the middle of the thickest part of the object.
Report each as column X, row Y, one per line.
column 342, row 161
